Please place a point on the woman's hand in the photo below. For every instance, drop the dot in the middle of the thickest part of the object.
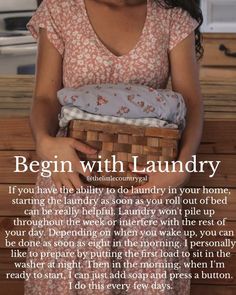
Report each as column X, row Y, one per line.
column 65, row 148
column 163, row 179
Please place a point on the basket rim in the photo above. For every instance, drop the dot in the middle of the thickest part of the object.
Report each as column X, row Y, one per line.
column 87, row 125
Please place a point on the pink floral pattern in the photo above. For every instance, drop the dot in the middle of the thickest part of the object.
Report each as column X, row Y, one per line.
column 123, row 110
column 87, row 61
column 101, row 100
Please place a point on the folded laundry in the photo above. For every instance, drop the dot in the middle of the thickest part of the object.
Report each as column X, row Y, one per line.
column 164, row 108
column 69, row 113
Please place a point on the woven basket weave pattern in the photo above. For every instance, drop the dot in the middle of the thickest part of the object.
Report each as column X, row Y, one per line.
column 125, row 141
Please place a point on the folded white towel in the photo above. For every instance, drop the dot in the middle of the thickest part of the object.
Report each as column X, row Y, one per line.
column 69, row 113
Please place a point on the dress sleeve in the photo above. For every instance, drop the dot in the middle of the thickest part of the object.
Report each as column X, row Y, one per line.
column 181, row 26
column 48, row 16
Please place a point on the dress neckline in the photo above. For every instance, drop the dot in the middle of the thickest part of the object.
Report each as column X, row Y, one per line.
column 140, row 40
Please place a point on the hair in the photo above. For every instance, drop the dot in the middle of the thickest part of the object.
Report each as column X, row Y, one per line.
column 193, row 8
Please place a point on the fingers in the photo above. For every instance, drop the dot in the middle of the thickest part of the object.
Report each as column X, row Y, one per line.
column 68, row 184
column 60, row 181
column 57, row 183
column 138, row 169
column 75, row 180
column 71, row 181
column 84, row 148
column 79, row 168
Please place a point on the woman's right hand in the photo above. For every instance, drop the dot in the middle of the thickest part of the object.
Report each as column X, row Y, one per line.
column 65, row 149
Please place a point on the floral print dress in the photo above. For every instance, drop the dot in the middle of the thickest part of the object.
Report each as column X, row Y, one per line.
column 87, row 61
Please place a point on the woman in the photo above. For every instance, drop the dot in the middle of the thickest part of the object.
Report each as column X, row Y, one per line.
column 107, row 41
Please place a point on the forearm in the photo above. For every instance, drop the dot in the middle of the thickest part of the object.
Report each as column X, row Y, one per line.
column 44, row 118
column 192, row 134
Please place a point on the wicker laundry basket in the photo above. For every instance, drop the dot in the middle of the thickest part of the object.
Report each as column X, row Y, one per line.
column 124, row 141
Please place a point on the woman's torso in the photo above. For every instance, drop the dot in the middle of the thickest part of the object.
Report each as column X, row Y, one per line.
column 87, row 60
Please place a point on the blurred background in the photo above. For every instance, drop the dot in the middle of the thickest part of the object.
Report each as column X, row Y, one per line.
column 17, row 47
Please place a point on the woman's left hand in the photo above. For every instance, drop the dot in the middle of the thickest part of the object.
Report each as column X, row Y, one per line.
column 162, row 179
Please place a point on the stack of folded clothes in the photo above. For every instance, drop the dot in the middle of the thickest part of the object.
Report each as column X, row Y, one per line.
column 123, row 103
